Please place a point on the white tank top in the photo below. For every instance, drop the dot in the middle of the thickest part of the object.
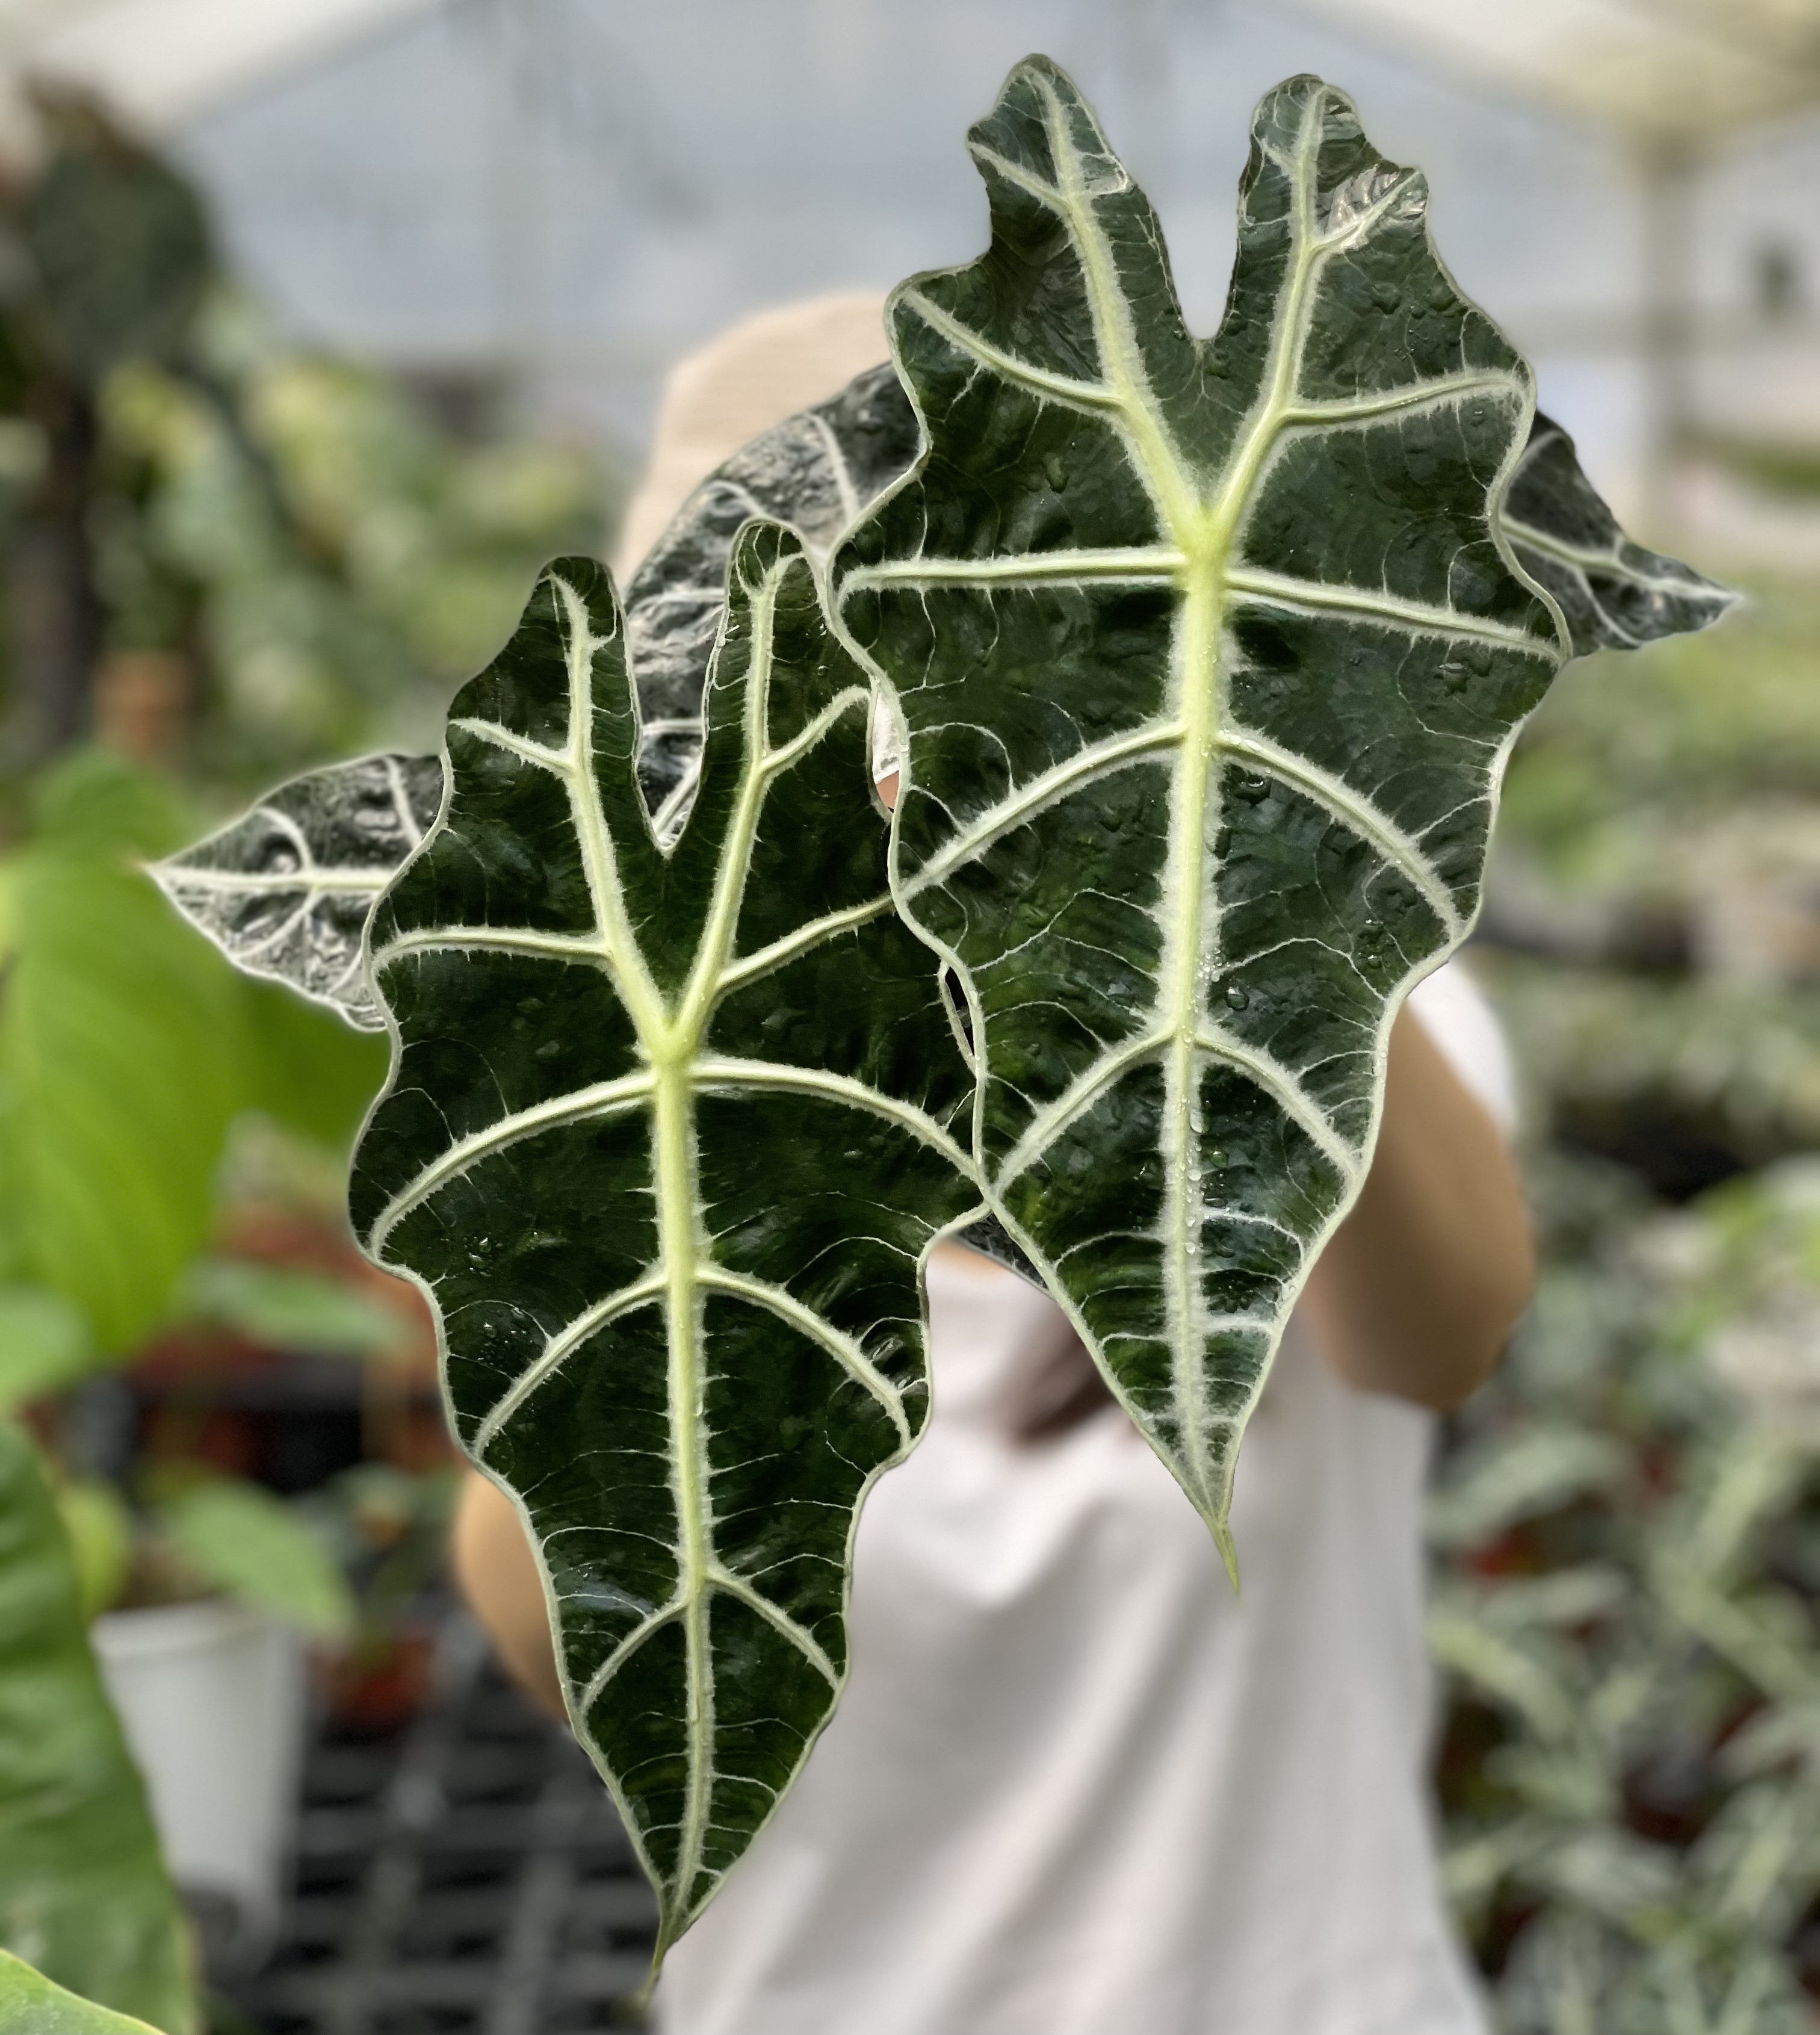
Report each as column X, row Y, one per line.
column 1075, row 1787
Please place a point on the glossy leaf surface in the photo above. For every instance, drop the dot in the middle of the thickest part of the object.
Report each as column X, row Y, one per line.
column 83, row 1893
column 1612, row 594
column 354, row 824
column 286, row 891
column 667, row 1139
column 1208, row 657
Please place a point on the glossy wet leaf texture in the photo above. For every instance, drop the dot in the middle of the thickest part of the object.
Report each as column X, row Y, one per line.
column 1208, row 656
column 1201, row 661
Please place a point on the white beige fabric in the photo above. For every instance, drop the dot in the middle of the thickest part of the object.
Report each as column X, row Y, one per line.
column 764, row 369
column 1073, row 1786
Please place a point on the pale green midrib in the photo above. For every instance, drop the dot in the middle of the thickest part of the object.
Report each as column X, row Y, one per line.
column 189, row 876
column 682, row 1249
column 1205, row 530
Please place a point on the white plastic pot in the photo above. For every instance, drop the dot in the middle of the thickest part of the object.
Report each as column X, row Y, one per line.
column 213, row 1700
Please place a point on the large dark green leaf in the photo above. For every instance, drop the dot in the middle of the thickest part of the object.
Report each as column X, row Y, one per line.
column 666, row 1140
column 83, row 1893
column 1208, row 656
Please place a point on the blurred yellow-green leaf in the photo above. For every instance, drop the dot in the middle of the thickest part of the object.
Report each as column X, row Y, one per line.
column 83, row 1892
column 30, row 2004
column 252, row 1546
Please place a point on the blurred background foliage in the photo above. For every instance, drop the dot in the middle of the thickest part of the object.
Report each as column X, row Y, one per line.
column 1627, row 1523
column 222, row 559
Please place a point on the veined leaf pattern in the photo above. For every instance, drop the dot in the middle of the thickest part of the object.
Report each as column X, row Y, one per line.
column 1209, row 656
column 668, row 1137
column 816, row 471
column 1613, row 594
column 348, row 827
column 287, row 889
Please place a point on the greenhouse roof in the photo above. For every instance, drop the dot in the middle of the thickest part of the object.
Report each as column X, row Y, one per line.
column 1668, row 73
column 160, row 61
column 1664, row 72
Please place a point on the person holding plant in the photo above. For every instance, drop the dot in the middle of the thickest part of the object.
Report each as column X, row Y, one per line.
column 1075, row 1786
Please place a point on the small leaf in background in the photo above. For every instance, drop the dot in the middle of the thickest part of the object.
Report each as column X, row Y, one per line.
column 252, row 1546
column 302, row 1312
column 31, row 2004
column 122, row 1053
column 98, row 1525
column 83, row 1892
column 120, row 241
column 45, row 1345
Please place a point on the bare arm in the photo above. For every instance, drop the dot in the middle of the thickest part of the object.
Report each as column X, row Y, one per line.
column 498, row 1576
column 1418, row 1289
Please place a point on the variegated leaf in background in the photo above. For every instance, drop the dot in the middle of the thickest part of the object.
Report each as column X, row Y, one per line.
column 1208, row 656
column 667, row 1139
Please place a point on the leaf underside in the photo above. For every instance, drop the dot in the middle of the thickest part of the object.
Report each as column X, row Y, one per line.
column 666, row 1140
column 1209, row 656
column 1612, row 594
column 287, row 889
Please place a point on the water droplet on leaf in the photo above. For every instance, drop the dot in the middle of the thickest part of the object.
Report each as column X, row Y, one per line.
column 1056, row 472
column 1217, row 1158
column 1237, row 996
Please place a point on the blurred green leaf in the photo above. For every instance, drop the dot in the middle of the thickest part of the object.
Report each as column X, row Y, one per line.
column 97, row 802
column 99, row 1527
column 30, row 2004
column 122, row 1054
column 309, row 1070
column 45, row 1344
column 120, row 242
column 254, row 1547
column 289, row 1310
column 83, row 1892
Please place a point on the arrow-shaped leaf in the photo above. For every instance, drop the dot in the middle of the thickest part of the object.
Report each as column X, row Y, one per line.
column 666, row 1140
column 1209, row 655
